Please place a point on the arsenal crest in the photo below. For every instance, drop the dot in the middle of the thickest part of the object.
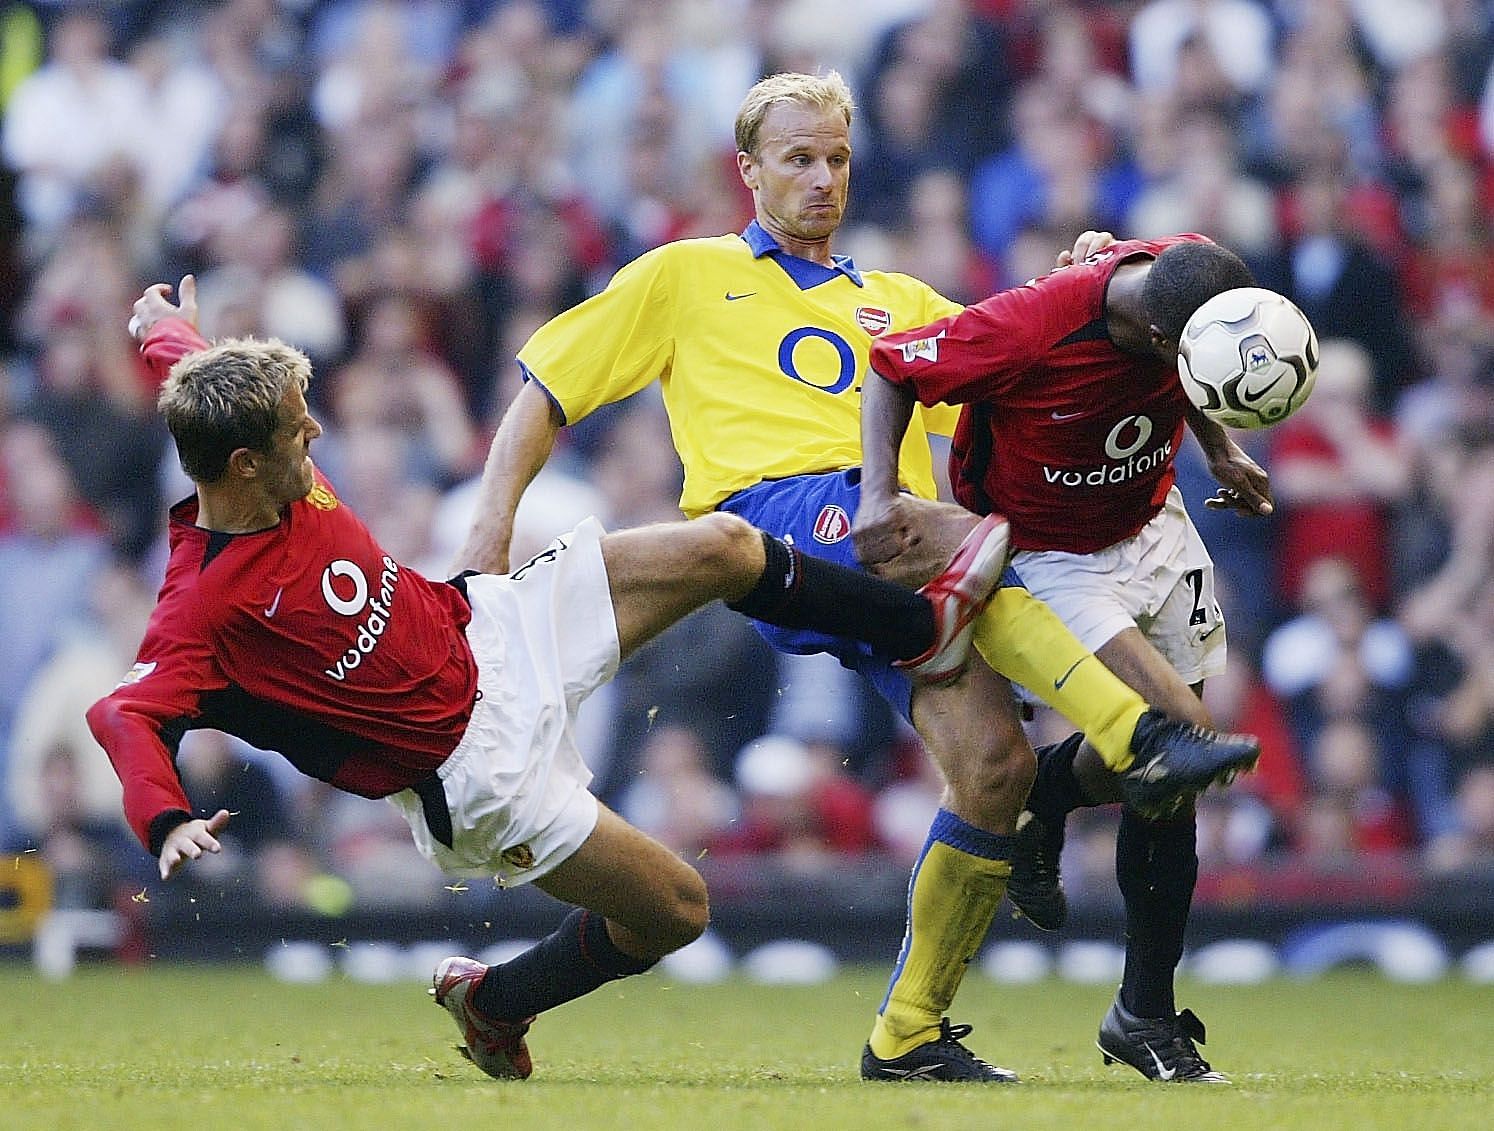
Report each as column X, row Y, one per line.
column 831, row 525
column 872, row 320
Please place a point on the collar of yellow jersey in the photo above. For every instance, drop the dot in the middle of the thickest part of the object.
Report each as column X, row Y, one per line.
column 802, row 271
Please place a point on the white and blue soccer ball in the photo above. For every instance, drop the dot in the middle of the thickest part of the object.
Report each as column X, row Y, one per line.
column 1248, row 358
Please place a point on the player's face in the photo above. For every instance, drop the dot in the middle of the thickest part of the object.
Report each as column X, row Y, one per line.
column 801, row 172
column 286, row 468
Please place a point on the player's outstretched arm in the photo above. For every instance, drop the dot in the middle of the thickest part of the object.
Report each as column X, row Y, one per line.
column 525, row 439
column 189, row 840
column 1244, row 486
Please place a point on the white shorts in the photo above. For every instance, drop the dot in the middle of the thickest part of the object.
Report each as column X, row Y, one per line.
column 545, row 637
column 1161, row 581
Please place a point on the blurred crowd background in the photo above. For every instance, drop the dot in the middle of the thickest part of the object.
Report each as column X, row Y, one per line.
column 406, row 189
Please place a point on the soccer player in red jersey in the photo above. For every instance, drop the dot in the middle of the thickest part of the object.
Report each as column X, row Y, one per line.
column 1073, row 414
column 281, row 620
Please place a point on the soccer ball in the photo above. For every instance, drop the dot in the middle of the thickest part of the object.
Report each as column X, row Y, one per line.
column 1248, row 358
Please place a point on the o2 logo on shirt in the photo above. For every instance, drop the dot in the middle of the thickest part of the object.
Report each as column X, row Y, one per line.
column 346, row 590
column 788, row 362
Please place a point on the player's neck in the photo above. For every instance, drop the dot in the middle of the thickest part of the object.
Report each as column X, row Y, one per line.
column 227, row 511
column 816, row 251
column 1125, row 317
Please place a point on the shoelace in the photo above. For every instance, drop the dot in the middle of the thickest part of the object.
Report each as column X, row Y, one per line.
column 952, row 1035
column 1174, row 1045
column 1186, row 1058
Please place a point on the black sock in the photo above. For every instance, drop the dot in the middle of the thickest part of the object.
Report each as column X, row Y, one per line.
column 798, row 590
column 577, row 958
column 1055, row 791
column 1156, row 865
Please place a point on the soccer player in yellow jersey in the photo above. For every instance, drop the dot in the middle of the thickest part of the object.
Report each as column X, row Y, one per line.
column 759, row 342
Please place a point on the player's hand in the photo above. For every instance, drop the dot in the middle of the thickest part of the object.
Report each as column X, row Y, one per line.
column 1244, row 486
column 910, row 540
column 153, row 305
column 189, row 840
column 1086, row 245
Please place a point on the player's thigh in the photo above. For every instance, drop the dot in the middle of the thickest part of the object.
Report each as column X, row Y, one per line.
column 629, row 877
column 661, row 573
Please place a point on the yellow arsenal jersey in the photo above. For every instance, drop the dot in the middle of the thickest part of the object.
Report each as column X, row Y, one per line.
column 760, row 357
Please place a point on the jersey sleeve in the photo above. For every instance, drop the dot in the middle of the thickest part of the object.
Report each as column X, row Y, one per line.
column 965, row 356
column 167, row 342
column 140, row 721
column 610, row 346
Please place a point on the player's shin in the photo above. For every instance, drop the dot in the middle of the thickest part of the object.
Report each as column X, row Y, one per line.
column 798, row 590
column 1024, row 640
column 957, row 883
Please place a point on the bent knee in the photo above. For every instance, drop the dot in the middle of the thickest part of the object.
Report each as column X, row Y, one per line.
column 687, row 916
column 727, row 546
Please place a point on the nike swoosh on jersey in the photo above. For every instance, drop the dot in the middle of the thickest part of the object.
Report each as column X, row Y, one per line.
column 1202, row 636
column 1067, row 415
column 733, row 298
column 275, row 604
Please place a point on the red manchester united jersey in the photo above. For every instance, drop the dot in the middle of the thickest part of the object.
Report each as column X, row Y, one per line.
column 305, row 638
column 1070, row 438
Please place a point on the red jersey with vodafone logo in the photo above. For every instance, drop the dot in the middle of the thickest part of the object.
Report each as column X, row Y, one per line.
column 305, row 638
column 1067, row 436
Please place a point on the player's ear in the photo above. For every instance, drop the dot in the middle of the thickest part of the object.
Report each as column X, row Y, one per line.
column 747, row 169
column 243, row 464
column 1161, row 343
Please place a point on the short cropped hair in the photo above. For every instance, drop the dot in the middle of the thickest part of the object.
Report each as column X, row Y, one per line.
column 1184, row 277
column 228, row 397
column 825, row 92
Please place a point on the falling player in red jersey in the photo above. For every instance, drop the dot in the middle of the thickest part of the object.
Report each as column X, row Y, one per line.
column 283, row 621
column 1073, row 415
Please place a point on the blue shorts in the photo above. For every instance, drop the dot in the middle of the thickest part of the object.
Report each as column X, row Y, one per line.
column 813, row 513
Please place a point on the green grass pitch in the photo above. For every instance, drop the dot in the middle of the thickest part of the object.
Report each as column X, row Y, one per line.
column 231, row 1049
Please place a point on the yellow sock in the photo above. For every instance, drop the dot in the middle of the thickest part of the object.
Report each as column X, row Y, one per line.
column 1023, row 639
column 952, row 899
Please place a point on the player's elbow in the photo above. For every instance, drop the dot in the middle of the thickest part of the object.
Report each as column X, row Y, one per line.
column 103, row 719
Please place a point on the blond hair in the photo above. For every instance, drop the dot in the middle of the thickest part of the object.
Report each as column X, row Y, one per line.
column 827, row 92
column 228, row 397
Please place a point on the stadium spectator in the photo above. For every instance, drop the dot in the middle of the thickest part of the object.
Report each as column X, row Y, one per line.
column 676, row 797
column 394, row 382
column 1336, row 661
column 88, row 855
column 1341, row 472
column 1234, row 36
column 91, row 652
column 69, row 121
column 50, row 551
column 1346, row 289
column 799, row 806
column 266, row 854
